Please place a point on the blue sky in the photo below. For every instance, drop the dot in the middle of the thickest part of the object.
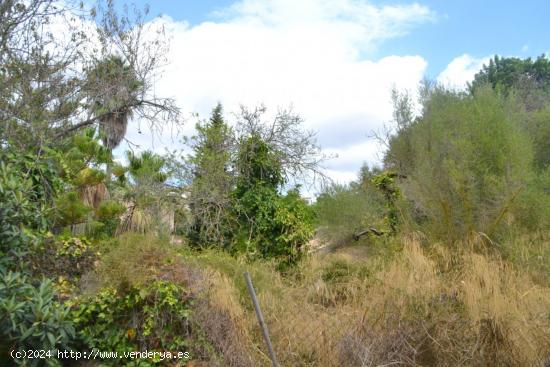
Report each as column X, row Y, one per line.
column 476, row 27
column 334, row 61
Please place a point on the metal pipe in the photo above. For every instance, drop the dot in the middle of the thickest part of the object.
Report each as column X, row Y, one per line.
column 260, row 317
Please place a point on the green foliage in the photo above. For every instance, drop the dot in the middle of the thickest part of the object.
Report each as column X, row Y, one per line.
column 119, row 172
column 385, row 182
column 88, row 177
column 274, row 225
column 70, row 209
column 400, row 144
column 108, row 214
column 154, row 318
column 538, row 128
column 38, row 169
column 258, row 163
column 73, row 247
column 342, row 210
column 27, row 186
column 294, row 222
column 109, row 209
column 473, row 161
column 31, row 318
column 529, row 82
column 80, row 157
column 146, row 168
column 504, row 73
column 210, row 201
column 114, row 71
column 235, row 199
column 145, row 193
column 66, row 257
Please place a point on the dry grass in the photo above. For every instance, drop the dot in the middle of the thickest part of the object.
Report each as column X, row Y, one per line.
column 511, row 313
column 135, row 261
column 419, row 305
column 224, row 322
column 426, row 306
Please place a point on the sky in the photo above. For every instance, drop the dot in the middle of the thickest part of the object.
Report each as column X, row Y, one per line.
column 334, row 61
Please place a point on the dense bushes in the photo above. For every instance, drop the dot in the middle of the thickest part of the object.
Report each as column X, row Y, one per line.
column 32, row 318
column 66, row 257
column 471, row 164
column 237, row 184
column 274, row 225
column 153, row 318
column 27, row 186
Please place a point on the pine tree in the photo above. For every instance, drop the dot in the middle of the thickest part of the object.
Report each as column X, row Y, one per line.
column 210, row 199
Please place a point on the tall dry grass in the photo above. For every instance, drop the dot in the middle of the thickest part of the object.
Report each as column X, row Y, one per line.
column 428, row 305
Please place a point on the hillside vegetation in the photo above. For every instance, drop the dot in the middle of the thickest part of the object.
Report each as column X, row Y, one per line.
column 438, row 258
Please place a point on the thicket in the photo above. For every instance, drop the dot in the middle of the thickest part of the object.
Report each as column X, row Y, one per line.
column 87, row 258
column 237, row 183
column 65, row 104
column 470, row 170
column 68, row 211
column 467, row 163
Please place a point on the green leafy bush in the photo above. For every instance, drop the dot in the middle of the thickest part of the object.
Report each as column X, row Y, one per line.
column 153, row 318
column 88, row 177
column 70, row 209
column 63, row 256
column 472, row 162
column 31, row 317
column 24, row 204
column 274, row 226
column 108, row 214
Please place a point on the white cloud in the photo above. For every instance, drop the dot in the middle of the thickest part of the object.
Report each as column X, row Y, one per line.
column 307, row 53
column 348, row 158
column 339, row 176
column 461, row 70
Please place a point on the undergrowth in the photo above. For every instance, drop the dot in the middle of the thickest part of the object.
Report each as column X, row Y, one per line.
column 426, row 304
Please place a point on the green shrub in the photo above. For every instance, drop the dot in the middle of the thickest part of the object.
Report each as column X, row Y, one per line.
column 23, row 213
column 70, row 209
column 63, row 256
column 108, row 213
column 88, row 177
column 471, row 162
column 31, row 318
column 274, row 226
column 153, row 318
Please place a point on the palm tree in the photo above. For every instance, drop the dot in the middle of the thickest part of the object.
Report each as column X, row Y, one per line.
column 147, row 168
column 114, row 89
column 144, row 193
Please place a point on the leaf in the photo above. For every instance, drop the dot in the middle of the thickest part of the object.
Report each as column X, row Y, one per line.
column 51, row 338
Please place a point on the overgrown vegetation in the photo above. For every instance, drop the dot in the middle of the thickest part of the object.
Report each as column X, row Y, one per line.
column 440, row 257
column 237, row 179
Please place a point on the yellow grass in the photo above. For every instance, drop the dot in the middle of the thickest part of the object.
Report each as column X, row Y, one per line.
column 427, row 306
